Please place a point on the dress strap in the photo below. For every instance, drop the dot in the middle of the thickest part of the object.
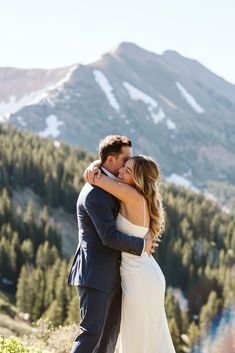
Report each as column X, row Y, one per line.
column 144, row 210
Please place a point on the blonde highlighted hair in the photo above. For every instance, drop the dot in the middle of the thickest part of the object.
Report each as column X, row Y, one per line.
column 146, row 176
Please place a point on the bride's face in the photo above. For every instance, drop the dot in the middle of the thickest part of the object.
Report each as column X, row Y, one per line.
column 125, row 172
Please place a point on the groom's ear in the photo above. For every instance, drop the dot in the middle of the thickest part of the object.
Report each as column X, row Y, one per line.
column 110, row 159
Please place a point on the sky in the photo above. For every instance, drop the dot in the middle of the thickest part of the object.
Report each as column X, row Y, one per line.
column 57, row 33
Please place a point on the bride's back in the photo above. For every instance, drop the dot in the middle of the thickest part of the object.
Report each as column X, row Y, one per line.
column 138, row 213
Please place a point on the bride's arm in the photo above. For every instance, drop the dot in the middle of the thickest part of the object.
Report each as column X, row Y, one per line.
column 92, row 168
column 122, row 191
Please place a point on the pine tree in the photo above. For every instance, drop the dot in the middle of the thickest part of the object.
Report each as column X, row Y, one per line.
column 175, row 334
column 27, row 251
column 22, row 294
column 193, row 335
column 46, row 255
column 51, row 276
column 39, row 288
column 208, row 311
column 73, row 313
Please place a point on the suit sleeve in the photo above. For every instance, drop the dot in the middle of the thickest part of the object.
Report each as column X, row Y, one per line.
column 105, row 224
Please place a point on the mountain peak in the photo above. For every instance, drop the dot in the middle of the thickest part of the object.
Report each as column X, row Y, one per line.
column 132, row 50
column 129, row 45
column 126, row 47
column 172, row 53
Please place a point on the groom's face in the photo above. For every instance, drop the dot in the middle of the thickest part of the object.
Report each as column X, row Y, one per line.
column 120, row 160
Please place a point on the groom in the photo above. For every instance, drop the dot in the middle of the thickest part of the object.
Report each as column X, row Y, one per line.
column 96, row 266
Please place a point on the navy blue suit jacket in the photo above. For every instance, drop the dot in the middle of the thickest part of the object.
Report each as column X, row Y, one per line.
column 98, row 256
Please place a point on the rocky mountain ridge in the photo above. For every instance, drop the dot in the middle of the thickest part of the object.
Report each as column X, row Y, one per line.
column 172, row 107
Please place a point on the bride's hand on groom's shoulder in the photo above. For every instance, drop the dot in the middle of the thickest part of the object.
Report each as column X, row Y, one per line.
column 91, row 171
column 150, row 243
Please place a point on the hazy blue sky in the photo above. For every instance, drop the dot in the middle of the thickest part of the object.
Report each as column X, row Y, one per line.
column 55, row 33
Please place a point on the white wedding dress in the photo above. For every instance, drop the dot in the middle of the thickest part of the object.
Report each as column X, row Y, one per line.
column 144, row 327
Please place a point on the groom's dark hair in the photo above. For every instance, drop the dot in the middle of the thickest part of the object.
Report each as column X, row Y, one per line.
column 112, row 145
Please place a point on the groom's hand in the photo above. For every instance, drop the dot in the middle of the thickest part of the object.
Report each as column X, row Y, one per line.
column 150, row 244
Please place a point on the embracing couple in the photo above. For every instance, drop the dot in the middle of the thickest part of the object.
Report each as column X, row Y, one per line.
column 121, row 286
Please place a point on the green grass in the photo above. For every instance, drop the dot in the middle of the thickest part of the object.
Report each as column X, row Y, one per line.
column 13, row 345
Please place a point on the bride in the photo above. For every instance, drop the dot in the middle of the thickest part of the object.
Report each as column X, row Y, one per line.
column 144, row 327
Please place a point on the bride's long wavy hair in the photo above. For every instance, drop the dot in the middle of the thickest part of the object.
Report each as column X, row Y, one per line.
column 146, row 176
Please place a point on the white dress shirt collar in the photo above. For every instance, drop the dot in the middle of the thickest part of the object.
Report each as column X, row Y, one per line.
column 108, row 173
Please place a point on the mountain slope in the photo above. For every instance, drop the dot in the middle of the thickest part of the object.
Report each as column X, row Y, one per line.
column 20, row 88
column 172, row 107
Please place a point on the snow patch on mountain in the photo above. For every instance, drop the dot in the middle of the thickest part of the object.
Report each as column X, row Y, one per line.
column 170, row 124
column 21, row 121
column 13, row 104
column 106, row 87
column 157, row 117
column 52, row 127
column 66, row 78
column 180, row 181
column 136, row 94
column 188, row 173
column 4, row 118
column 189, row 98
column 50, row 92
